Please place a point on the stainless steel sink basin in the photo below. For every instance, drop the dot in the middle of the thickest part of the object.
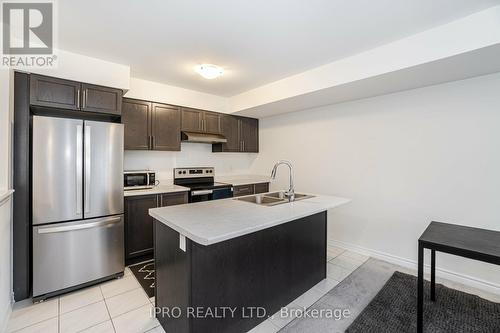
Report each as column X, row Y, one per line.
column 281, row 195
column 271, row 199
column 260, row 200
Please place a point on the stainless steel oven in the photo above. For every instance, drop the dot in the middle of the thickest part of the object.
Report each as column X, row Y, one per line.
column 139, row 179
column 201, row 183
column 214, row 194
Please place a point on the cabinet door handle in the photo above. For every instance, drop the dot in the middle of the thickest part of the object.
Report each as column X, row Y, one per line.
column 157, row 201
column 152, row 142
column 78, row 98
column 84, row 100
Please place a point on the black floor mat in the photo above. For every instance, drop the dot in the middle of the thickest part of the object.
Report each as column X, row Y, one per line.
column 394, row 310
column 145, row 274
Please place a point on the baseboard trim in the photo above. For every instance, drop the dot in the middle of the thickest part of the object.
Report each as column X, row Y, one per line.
column 412, row 264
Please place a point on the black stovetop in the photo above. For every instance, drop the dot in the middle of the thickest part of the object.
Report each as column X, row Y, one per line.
column 205, row 186
column 201, row 183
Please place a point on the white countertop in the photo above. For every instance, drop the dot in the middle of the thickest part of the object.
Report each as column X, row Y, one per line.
column 211, row 222
column 156, row 190
column 242, row 179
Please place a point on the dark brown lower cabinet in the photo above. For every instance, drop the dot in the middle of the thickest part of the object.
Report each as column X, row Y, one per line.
column 249, row 189
column 266, row 269
column 241, row 190
column 139, row 224
column 261, row 188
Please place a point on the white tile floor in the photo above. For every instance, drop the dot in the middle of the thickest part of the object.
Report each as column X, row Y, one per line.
column 123, row 306
column 116, row 306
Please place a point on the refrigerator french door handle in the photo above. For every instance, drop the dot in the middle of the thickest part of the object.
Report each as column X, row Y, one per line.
column 88, row 154
column 50, row 230
column 79, row 169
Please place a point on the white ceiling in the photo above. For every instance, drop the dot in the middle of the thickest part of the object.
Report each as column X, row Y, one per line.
column 256, row 41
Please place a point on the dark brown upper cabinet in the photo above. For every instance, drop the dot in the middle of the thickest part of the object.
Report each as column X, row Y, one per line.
column 166, row 127
column 137, row 121
column 52, row 92
column 151, row 126
column 230, row 129
column 65, row 94
column 249, row 135
column 194, row 120
column 101, row 99
column 191, row 120
column 242, row 135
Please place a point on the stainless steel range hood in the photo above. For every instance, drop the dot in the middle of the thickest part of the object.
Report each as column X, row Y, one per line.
column 202, row 137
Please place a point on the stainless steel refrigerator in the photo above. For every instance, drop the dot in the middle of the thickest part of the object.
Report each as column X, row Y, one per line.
column 77, row 170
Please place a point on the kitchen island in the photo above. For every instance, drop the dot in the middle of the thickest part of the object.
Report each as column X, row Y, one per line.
column 227, row 265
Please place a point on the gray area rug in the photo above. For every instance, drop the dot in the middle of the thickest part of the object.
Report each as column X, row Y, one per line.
column 394, row 310
column 355, row 293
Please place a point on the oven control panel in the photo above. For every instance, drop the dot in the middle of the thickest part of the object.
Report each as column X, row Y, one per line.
column 194, row 172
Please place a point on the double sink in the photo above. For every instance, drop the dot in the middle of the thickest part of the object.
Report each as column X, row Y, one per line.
column 272, row 199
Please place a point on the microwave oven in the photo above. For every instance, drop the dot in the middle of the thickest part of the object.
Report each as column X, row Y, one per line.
column 138, row 179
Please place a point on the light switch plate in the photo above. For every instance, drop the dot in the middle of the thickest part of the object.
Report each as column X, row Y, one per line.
column 182, row 242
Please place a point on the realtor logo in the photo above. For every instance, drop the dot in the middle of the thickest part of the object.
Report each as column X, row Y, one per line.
column 28, row 28
column 28, row 34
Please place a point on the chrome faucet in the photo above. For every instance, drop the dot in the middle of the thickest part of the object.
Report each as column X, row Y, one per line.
column 291, row 190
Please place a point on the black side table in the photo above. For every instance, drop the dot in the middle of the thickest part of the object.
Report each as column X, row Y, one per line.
column 473, row 243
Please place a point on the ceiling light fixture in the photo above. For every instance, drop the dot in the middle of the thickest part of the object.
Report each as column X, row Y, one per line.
column 209, row 71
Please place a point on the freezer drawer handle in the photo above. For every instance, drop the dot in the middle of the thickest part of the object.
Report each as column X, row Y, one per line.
column 51, row 230
column 195, row 193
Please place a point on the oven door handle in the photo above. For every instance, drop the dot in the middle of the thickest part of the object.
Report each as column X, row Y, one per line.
column 201, row 192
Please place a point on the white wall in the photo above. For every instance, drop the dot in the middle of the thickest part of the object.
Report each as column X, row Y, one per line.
column 405, row 159
column 5, row 263
column 191, row 154
column 163, row 93
column 473, row 32
column 73, row 66
column 5, row 208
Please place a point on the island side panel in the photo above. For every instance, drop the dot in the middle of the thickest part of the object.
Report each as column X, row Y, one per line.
column 172, row 278
column 268, row 268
